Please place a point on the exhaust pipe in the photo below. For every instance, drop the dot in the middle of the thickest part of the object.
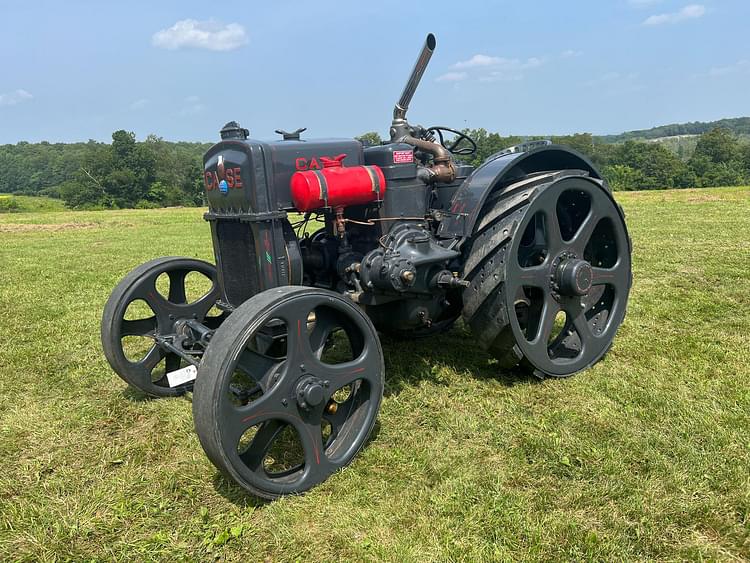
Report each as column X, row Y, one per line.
column 399, row 112
column 442, row 168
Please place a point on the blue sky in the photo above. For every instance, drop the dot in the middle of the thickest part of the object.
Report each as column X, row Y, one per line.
column 78, row 69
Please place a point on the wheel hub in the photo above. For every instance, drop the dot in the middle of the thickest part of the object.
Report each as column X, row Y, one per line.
column 309, row 392
column 574, row 277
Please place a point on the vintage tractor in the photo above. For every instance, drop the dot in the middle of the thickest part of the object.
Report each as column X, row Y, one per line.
column 320, row 244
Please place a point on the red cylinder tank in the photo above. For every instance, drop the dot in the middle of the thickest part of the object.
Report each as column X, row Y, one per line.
column 336, row 185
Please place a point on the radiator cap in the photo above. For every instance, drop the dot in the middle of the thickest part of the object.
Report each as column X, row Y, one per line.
column 232, row 130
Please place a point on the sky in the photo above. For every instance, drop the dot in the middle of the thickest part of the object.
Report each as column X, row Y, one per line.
column 81, row 69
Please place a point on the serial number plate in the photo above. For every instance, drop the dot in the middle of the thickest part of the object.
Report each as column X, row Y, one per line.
column 182, row 376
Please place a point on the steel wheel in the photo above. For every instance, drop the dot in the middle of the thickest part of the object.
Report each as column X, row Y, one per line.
column 147, row 304
column 289, row 390
column 550, row 274
column 569, row 277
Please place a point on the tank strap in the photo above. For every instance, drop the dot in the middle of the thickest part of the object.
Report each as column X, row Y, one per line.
column 375, row 180
column 323, row 185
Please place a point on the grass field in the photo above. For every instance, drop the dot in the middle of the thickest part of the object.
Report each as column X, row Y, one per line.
column 10, row 203
column 645, row 456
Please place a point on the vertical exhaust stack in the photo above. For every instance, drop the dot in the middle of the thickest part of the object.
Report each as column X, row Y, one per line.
column 442, row 168
column 399, row 125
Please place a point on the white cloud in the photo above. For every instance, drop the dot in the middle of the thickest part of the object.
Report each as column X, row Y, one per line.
column 452, row 77
column 739, row 66
column 500, row 76
column 616, row 84
column 191, row 106
column 570, row 53
column 139, row 104
column 690, row 12
column 208, row 34
column 478, row 61
column 492, row 69
column 14, row 98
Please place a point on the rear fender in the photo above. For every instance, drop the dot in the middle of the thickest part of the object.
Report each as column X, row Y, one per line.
column 503, row 168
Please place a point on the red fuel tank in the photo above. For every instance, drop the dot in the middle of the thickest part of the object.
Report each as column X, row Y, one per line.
column 337, row 186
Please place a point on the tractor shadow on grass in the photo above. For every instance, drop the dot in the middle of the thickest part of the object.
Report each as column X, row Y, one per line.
column 409, row 362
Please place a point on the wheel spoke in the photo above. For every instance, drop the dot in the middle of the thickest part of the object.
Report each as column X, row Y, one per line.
column 177, row 286
column 618, row 275
column 341, row 375
column 547, row 321
column 152, row 358
column 322, row 330
column 297, row 338
column 583, row 235
column 140, row 327
column 274, row 403
column 552, row 226
column 340, row 416
column 536, row 276
column 256, row 451
column 171, row 363
column 146, row 288
column 312, row 444
column 583, row 329
column 255, row 364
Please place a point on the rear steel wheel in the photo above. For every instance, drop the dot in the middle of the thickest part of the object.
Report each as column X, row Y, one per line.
column 289, row 390
column 148, row 304
column 550, row 273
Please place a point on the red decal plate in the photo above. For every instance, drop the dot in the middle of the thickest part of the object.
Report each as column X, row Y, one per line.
column 403, row 157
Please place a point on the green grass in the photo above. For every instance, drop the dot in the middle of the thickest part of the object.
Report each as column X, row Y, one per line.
column 645, row 456
column 10, row 203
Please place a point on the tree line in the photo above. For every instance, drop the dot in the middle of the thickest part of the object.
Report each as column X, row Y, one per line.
column 719, row 159
column 93, row 175
column 156, row 173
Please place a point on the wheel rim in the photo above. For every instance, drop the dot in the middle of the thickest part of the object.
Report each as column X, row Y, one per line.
column 163, row 292
column 283, row 421
column 568, row 277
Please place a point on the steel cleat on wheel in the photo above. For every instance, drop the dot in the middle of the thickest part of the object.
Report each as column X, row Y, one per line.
column 289, row 390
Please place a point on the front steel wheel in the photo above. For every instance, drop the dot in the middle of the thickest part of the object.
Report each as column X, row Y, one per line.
column 148, row 304
column 289, row 390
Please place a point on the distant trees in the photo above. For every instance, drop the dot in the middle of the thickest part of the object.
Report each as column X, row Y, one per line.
column 719, row 159
column 157, row 173
column 370, row 139
column 125, row 173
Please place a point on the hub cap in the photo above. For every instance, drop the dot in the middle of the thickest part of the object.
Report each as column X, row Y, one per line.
column 574, row 277
column 310, row 392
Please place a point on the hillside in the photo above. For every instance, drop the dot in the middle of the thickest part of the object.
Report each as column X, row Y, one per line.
column 738, row 125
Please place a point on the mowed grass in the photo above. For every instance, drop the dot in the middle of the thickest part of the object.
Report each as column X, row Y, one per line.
column 644, row 456
column 11, row 203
